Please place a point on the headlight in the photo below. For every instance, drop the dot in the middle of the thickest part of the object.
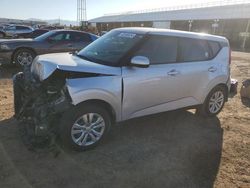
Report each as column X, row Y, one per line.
column 41, row 70
column 37, row 70
column 4, row 47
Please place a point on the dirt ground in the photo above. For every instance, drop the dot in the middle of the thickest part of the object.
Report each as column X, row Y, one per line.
column 173, row 149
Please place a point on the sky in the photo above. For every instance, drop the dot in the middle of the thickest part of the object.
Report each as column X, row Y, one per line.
column 66, row 9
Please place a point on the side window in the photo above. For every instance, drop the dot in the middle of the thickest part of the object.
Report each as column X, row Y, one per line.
column 215, row 47
column 21, row 28
column 68, row 36
column 159, row 49
column 193, row 50
column 57, row 37
column 11, row 28
column 81, row 37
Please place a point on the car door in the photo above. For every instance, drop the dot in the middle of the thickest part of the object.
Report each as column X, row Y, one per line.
column 149, row 90
column 196, row 68
column 59, row 42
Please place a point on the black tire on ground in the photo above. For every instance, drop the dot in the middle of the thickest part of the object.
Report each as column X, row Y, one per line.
column 72, row 115
column 2, row 35
column 17, row 89
column 204, row 109
column 29, row 54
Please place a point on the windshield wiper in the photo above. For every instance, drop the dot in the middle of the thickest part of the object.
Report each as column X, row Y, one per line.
column 93, row 60
column 83, row 57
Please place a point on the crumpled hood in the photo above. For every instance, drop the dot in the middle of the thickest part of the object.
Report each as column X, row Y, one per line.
column 69, row 62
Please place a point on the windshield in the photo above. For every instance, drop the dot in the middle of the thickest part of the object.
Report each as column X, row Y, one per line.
column 110, row 48
column 44, row 36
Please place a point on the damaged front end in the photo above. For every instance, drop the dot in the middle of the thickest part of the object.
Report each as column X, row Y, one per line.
column 39, row 104
column 51, row 87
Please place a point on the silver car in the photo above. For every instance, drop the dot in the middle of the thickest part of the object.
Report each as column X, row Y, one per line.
column 127, row 73
column 15, row 30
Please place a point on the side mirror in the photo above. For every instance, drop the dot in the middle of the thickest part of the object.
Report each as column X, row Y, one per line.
column 140, row 61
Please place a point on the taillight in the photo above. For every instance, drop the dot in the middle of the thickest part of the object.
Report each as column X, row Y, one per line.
column 230, row 56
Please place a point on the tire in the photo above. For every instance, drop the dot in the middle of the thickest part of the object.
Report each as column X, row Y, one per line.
column 17, row 90
column 70, row 132
column 2, row 35
column 24, row 57
column 217, row 95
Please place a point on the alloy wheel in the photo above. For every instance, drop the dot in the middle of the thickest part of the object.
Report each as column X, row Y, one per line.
column 24, row 58
column 216, row 102
column 88, row 129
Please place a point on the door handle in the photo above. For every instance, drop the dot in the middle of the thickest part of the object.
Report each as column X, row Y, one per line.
column 70, row 45
column 173, row 72
column 212, row 69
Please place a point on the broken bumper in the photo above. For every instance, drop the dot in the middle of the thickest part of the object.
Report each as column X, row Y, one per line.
column 38, row 106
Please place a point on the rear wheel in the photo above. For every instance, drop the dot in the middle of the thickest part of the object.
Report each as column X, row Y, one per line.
column 24, row 57
column 84, row 127
column 213, row 103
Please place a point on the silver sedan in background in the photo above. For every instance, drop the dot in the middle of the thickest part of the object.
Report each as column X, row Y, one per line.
column 14, row 30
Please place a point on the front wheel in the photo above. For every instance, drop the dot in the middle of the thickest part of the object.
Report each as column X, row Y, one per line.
column 84, row 127
column 213, row 103
column 24, row 57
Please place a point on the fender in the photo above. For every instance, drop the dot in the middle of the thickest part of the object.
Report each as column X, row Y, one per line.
column 216, row 81
column 106, row 88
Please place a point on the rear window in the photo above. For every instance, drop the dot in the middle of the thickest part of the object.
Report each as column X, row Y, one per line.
column 40, row 31
column 215, row 47
column 81, row 37
column 193, row 50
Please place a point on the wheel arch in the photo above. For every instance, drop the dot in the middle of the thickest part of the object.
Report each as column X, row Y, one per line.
column 104, row 105
column 223, row 85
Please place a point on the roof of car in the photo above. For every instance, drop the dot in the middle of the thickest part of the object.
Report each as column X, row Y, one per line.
column 76, row 31
column 42, row 29
column 67, row 30
column 170, row 32
column 20, row 25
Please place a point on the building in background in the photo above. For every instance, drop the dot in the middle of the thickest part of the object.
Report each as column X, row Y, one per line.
column 227, row 18
column 21, row 22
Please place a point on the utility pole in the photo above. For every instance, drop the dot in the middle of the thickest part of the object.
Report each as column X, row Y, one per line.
column 215, row 25
column 81, row 12
column 246, row 35
column 190, row 25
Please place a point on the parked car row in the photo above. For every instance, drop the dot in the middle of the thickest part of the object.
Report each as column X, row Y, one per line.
column 15, row 30
column 126, row 73
column 23, row 51
column 35, row 33
column 23, row 31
